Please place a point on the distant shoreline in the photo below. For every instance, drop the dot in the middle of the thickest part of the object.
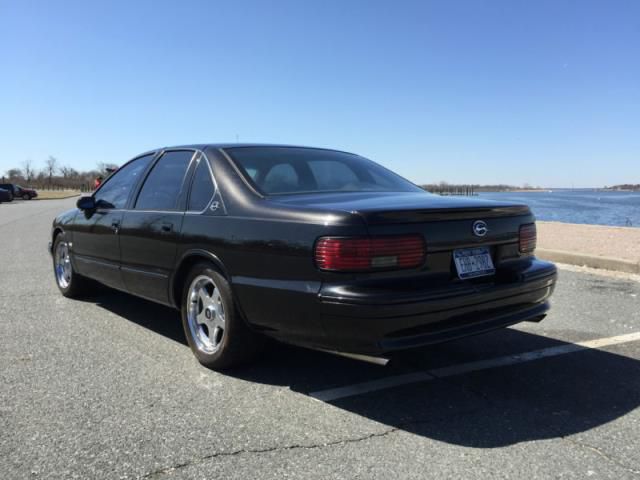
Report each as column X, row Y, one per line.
column 624, row 187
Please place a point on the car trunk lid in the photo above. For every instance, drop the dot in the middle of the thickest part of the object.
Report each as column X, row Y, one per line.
column 446, row 223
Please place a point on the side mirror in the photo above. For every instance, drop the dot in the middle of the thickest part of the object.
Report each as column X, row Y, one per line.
column 86, row 203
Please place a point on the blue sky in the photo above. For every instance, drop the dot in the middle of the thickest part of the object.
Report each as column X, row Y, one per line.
column 543, row 92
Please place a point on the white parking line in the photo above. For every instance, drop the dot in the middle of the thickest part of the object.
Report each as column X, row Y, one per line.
column 388, row 382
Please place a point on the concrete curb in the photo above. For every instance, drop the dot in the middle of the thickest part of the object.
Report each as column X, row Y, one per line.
column 582, row 259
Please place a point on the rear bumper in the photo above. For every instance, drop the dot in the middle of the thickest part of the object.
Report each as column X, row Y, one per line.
column 374, row 321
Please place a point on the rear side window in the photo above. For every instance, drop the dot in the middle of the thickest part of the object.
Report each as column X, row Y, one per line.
column 202, row 188
column 116, row 189
column 163, row 185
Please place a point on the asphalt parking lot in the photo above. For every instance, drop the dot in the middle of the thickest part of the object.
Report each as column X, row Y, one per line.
column 107, row 388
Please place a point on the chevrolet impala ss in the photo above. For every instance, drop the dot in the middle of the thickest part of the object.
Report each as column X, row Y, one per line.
column 315, row 247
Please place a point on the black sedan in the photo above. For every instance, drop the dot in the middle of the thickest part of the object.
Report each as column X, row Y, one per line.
column 5, row 195
column 316, row 247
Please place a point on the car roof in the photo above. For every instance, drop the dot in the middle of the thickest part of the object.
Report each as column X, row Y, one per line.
column 203, row 146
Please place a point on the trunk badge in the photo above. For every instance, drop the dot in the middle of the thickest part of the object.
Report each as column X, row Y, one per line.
column 480, row 228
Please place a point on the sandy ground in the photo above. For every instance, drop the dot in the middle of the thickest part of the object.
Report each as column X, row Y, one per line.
column 615, row 242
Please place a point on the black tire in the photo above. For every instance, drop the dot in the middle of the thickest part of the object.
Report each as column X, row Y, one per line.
column 26, row 196
column 75, row 285
column 237, row 344
column 11, row 197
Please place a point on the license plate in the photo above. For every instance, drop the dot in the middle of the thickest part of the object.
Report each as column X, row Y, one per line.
column 473, row 262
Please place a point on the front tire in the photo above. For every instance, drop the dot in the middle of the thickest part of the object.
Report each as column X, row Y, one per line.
column 26, row 196
column 70, row 283
column 217, row 334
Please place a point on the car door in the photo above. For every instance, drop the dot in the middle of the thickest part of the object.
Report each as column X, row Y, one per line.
column 96, row 244
column 150, row 230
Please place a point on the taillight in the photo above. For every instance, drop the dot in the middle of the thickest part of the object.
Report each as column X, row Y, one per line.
column 528, row 238
column 358, row 254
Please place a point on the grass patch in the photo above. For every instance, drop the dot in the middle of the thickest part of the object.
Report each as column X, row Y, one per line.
column 56, row 194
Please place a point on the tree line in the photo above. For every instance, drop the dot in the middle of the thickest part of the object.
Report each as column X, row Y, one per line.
column 55, row 175
column 445, row 188
column 627, row 187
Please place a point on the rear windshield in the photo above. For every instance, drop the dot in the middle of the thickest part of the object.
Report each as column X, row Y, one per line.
column 292, row 170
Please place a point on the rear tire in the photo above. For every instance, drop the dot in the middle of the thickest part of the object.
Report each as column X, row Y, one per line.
column 70, row 283
column 217, row 334
column 26, row 196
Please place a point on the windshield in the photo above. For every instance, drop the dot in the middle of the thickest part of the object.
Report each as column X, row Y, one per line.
column 295, row 170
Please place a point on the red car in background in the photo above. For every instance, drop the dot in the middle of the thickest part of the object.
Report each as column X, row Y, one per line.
column 25, row 193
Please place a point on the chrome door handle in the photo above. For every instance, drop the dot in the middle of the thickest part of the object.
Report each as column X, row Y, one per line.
column 115, row 226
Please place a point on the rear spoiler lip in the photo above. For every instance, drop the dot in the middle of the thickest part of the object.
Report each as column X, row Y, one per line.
column 373, row 217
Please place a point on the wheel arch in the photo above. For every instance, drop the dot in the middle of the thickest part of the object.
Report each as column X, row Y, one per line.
column 56, row 231
column 186, row 262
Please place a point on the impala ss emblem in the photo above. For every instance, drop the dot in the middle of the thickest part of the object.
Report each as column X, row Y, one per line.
column 480, row 228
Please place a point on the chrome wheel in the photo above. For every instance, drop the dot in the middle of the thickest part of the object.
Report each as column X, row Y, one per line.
column 205, row 314
column 63, row 265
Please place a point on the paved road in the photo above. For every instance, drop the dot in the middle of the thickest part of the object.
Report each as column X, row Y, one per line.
column 107, row 388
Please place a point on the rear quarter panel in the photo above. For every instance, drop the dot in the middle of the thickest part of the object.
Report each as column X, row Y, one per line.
column 269, row 262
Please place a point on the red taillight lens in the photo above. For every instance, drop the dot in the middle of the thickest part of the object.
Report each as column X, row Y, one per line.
column 364, row 254
column 528, row 238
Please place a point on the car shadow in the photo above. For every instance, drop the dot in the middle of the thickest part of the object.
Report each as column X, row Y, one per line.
column 147, row 314
column 548, row 398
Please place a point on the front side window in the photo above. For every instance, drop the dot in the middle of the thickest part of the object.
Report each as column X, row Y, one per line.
column 163, row 185
column 116, row 189
column 291, row 170
column 202, row 188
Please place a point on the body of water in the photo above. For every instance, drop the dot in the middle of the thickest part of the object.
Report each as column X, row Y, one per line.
column 578, row 206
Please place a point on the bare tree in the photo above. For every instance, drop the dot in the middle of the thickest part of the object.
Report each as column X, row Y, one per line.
column 68, row 172
column 106, row 168
column 51, row 166
column 27, row 169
